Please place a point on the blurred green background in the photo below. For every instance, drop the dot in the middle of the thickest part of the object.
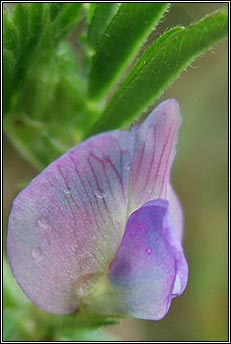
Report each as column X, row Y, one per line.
column 200, row 176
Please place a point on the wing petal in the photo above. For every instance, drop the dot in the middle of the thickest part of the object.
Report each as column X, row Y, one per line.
column 149, row 268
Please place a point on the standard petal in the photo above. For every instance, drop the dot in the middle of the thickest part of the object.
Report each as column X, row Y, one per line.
column 149, row 268
column 66, row 226
column 154, row 152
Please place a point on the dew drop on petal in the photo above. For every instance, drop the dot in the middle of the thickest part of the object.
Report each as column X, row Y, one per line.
column 83, row 284
column 148, row 250
column 37, row 253
column 43, row 223
column 127, row 167
column 99, row 194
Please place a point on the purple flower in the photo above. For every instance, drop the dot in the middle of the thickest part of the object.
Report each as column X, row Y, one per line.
column 102, row 226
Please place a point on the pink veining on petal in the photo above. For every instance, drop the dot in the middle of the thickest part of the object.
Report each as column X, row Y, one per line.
column 154, row 152
column 166, row 170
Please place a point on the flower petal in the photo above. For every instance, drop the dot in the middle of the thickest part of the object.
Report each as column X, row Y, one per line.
column 66, row 226
column 154, row 152
column 176, row 211
column 149, row 268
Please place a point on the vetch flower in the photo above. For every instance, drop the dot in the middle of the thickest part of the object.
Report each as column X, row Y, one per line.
column 102, row 226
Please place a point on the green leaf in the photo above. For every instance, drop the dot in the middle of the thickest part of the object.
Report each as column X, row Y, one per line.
column 8, row 77
column 85, row 336
column 55, row 8
column 10, row 34
column 44, row 93
column 37, row 16
column 102, row 15
column 51, row 119
column 31, row 33
column 89, row 8
column 120, row 43
column 19, row 40
column 159, row 66
column 66, row 19
column 11, row 317
column 20, row 18
column 83, row 326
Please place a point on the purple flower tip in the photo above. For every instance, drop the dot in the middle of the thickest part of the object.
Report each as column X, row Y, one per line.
column 149, row 268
